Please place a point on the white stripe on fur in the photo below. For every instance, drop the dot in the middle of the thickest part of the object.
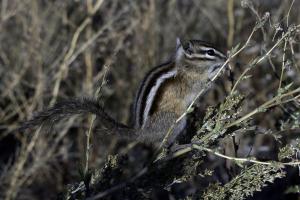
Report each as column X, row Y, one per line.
column 153, row 91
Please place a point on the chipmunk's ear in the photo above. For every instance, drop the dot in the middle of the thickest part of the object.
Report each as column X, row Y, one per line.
column 187, row 47
column 179, row 49
column 185, row 44
column 178, row 42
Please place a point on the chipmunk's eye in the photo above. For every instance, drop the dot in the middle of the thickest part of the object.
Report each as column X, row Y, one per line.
column 210, row 52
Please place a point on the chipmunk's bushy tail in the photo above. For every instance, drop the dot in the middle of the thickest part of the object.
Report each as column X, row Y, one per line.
column 67, row 108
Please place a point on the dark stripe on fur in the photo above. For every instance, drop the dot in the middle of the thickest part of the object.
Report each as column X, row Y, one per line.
column 145, row 87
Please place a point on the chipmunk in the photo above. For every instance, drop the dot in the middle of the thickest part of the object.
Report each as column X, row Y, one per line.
column 163, row 96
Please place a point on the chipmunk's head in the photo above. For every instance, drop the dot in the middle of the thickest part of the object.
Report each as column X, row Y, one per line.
column 196, row 56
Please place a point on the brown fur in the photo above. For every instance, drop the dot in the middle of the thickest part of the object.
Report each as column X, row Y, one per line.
column 173, row 94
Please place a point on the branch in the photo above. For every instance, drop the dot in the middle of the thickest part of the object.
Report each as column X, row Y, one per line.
column 243, row 160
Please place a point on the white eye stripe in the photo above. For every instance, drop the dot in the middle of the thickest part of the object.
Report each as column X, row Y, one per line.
column 216, row 51
column 200, row 56
column 206, row 48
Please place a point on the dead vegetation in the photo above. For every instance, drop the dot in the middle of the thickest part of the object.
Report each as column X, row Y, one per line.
column 55, row 50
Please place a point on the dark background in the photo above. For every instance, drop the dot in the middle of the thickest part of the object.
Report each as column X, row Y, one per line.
column 54, row 50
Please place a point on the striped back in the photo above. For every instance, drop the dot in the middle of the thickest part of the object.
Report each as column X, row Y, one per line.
column 147, row 91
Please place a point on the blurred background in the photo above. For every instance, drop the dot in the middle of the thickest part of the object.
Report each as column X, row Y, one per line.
column 54, row 50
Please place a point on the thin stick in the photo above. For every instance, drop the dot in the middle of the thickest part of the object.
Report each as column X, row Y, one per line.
column 261, row 59
column 282, row 65
column 195, row 146
column 12, row 190
column 64, row 65
column 231, row 21
column 243, row 160
column 70, row 54
column 264, row 106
